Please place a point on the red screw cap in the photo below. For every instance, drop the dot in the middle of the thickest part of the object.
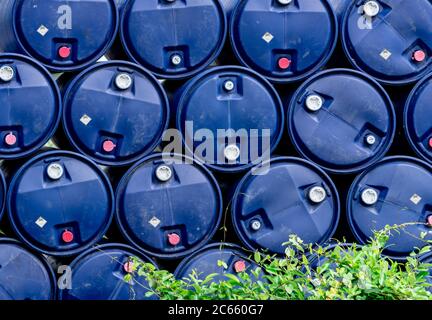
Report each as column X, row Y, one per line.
column 284, row 63
column 429, row 220
column 128, row 267
column 174, row 239
column 108, row 146
column 67, row 236
column 419, row 56
column 10, row 139
column 430, row 143
column 64, row 52
column 239, row 266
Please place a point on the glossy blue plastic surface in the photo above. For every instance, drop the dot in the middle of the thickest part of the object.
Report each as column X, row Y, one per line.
column 98, row 274
column 384, row 45
column 41, row 209
column 404, row 196
column 279, row 201
column 31, row 107
column 133, row 119
column 188, row 205
column 153, row 31
column 40, row 28
column 253, row 104
column 417, row 125
column 316, row 261
column 354, row 107
column 3, row 192
column 24, row 276
column 264, row 31
column 205, row 262
column 340, row 7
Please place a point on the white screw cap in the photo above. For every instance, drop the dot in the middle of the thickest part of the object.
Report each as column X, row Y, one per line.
column 55, row 171
column 317, row 194
column 369, row 196
column 123, row 81
column 255, row 225
column 176, row 59
column 371, row 8
column 163, row 173
column 370, row 139
column 284, row 2
column 314, row 102
column 229, row 85
column 232, row 152
column 6, row 73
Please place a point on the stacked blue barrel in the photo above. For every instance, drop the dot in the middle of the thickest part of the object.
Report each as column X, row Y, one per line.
column 186, row 133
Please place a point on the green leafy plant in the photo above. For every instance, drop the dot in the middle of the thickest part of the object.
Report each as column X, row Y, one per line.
column 344, row 273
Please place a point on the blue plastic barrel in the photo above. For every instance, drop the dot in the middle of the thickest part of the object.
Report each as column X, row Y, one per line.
column 293, row 197
column 60, row 203
column 23, row 275
column 31, row 106
column 230, row 117
column 99, row 274
column 208, row 260
column 62, row 35
column 173, row 39
column 283, row 40
column 340, row 7
column 115, row 113
column 168, row 206
column 342, row 120
column 395, row 191
column 417, row 113
column 3, row 192
column 390, row 40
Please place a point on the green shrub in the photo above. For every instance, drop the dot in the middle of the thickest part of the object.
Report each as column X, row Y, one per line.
column 353, row 273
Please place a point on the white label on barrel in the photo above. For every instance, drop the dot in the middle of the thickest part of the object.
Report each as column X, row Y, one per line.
column 85, row 119
column 64, row 22
column 268, row 37
column 41, row 222
column 385, row 54
column 154, row 222
column 416, row 199
column 42, row 30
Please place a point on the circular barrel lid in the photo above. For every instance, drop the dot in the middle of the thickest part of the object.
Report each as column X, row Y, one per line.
column 390, row 40
column 63, row 35
column 284, row 40
column 208, row 261
column 395, row 191
column 31, row 106
column 60, row 203
column 418, row 128
column 99, row 274
column 291, row 196
column 169, row 206
column 115, row 113
column 342, row 120
column 173, row 39
column 23, row 275
column 230, row 117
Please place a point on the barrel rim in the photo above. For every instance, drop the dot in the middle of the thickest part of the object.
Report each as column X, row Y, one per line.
column 194, row 82
column 408, row 123
column 294, row 160
column 133, row 239
column 360, row 75
column 97, row 250
column 72, row 68
column 348, row 48
column 279, row 80
column 349, row 214
column 29, row 241
column 40, row 258
column 94, row 68
column 182, row 75
column 56, row 94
